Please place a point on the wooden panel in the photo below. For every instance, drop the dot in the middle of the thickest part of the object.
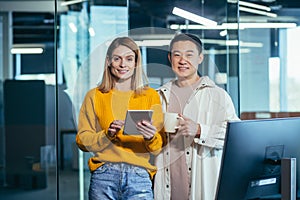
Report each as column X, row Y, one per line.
column 267, row 115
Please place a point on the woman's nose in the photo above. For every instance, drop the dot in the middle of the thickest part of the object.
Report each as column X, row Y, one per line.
column 122, row 63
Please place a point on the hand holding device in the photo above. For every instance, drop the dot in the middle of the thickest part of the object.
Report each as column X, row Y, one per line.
column 133, row 117
column 114, row 127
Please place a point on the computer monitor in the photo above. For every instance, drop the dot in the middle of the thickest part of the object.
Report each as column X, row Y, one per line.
column 251, row 161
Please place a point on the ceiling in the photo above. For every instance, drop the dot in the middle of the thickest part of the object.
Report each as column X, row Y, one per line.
column 159, row 13
column 37, row 26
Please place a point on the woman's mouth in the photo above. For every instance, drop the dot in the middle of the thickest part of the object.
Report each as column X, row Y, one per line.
column 122, row 71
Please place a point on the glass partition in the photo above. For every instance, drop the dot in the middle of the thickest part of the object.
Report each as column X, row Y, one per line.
column 268, row 70
column 84, row 32
column 27, row 100
column 253, row 57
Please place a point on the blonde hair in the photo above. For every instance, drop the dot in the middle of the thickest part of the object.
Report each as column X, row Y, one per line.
column 139, row 81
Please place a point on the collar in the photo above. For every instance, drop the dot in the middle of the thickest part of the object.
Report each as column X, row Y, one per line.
column 205, row 81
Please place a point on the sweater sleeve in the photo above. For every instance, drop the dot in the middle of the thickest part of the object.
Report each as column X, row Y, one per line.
column 90, row 137
column 155, row 144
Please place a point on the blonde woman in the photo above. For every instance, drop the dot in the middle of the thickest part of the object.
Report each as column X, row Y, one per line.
column 120, row 164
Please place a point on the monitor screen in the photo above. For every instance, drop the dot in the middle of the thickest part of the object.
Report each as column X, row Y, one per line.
column 251, row 162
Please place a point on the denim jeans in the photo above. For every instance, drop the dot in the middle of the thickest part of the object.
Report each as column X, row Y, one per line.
column 120, row 181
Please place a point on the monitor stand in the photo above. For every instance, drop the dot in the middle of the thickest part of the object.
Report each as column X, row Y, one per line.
column 282, row 185
column 288, row 179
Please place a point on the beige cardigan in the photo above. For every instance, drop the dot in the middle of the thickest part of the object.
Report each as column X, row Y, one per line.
column 212, row 108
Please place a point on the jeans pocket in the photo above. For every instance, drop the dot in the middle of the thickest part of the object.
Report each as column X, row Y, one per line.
column 101, row 169
column 141, row 172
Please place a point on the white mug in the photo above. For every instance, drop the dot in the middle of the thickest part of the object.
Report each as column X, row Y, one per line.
column 171, row 122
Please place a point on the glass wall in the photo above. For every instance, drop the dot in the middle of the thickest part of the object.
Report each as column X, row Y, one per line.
column 84, row 34
column 268, row 70
column 28, row 157
column 41, row 92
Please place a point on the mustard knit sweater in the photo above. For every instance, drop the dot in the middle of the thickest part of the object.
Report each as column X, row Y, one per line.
column 99, row 110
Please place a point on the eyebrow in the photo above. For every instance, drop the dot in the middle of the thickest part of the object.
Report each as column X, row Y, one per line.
column 122, row 56
column 188, row 51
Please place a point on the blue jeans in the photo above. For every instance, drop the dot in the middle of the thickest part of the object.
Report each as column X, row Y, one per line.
column 120, row 181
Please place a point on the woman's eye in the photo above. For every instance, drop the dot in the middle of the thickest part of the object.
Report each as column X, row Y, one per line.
column 116, row 59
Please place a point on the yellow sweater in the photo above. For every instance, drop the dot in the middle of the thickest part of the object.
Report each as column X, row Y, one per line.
column 99, row 110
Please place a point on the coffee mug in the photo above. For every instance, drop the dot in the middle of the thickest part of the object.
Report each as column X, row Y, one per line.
column 171, row 122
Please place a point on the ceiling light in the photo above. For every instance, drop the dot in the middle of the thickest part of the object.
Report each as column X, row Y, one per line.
column 230, row 51
column 230, row 26
column 193, row 17
column 153, row 42
column 48, row 78
column 67, row 3
column 260, row 12
column 254, row 8
column 73, row 27
column 253, row 5
column 28, row 50
column 268, row 1
column 232, row 43
column 92, row 32
column 268, row 25
column 223, row 33
column 251, row 44
column 200, row 27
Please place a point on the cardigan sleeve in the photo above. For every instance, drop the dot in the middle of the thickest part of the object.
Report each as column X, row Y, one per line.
column 213, row 133
column 90, row 137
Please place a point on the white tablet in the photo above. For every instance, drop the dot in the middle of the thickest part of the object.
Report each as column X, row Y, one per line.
column 133, row 117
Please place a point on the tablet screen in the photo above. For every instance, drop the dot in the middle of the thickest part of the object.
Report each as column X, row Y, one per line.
column 133, row 117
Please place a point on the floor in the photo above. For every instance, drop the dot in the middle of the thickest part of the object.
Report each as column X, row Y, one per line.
column 67, row 179
column 68, row 182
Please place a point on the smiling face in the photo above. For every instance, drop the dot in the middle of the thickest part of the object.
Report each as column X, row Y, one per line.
column 122, row 63
column 185, row 58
